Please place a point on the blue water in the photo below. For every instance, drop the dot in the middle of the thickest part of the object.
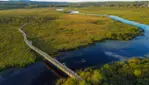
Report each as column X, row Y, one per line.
column 142, row 26
column 109, row 50
column 94, row 55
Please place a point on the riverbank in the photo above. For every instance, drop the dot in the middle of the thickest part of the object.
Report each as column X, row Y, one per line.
column 110, row 37
column 139, row 15
column 132, row 72
column 61, row 32
column 74, row 31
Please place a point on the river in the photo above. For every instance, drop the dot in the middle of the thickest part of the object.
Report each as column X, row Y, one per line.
column 96, row 54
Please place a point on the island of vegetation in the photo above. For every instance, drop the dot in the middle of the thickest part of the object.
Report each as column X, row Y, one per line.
column 52, row 32
column 131, row 72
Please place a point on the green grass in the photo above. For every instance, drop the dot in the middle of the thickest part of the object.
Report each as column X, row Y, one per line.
column 136, row 14
column 52, row 32
column 14, row 51
column 72, row 31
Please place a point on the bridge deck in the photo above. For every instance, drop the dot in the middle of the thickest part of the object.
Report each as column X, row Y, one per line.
column 62, row 67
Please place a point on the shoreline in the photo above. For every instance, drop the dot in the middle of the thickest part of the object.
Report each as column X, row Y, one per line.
column 141, row 32
column 39, row 59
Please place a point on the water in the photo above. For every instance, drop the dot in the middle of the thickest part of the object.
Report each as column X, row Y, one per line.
column 106, row 52
column 93, row 55
column 110, row 50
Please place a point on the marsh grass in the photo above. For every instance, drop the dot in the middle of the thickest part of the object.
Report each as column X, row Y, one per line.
column 136, row 14
column 73, row 31
column 52, row 32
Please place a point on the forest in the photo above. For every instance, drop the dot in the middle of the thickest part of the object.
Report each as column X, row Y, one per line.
column 5, row 5
column 131, row 72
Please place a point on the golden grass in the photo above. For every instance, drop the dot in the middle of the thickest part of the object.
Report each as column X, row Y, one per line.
column 72, row 31
column 30, row 12
column 63, row 32
column 135, row 14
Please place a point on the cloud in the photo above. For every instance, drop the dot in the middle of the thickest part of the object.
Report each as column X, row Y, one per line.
column 121, row 58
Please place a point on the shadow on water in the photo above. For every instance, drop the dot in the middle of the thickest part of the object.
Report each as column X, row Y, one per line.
column 48, row 78
column 40, row 73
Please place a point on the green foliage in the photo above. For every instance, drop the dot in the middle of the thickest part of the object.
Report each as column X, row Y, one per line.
column 44, row 45
column 82, row 83
column 142, row 81
column 135, row 14
column 5, row 5
column 53, row 31
column 137, row 73
column 118, row 73
column 100, row 22
column 70, row 82
column 97, row 77
column 14, row 52
column 73, row 31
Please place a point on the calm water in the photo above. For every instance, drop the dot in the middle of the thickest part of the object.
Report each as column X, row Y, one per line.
column 93, row 55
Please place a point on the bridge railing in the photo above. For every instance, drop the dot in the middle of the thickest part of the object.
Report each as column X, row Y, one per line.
column 68, row 71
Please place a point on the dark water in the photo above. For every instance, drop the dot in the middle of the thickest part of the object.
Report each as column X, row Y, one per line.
column 93, row 55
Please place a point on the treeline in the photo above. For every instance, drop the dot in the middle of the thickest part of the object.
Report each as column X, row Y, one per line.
column 113, row 4
column 11, row 5
column 16, row 5
column 25, row 19
column 33, row 4
column 14, row 52
column 132, row 72
column 132, row 33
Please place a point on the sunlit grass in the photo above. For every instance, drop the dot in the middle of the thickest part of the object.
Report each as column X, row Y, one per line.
column 58, row 32
column 73, row 31
column 136, row 14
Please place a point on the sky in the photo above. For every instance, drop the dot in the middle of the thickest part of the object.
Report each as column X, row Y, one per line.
column 86, row 0
column 82, row 0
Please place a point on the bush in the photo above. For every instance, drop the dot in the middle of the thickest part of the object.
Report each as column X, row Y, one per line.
column 137, row 73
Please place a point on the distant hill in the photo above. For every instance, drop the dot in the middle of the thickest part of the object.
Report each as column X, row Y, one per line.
column 16, row 4
column 20, row 0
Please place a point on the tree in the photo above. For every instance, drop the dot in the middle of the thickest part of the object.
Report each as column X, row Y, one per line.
column 70, row 82
column 82, row 83
column 137, row 73
column 97, row 77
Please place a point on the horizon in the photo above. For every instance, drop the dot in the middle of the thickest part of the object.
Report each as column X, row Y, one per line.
column 82, row 0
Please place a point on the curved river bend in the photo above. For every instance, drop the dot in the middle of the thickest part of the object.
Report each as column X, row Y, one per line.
column 97, row 54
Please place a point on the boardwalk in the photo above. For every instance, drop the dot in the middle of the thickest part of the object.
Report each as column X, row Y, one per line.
column 56, row 63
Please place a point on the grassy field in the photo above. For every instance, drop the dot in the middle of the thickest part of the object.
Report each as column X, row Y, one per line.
column 136, row 14
column 131, row 72
column 72, row 31
column 13, row 50
column 53, row 31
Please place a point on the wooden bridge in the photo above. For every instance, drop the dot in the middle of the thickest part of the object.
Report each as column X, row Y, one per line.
column 56, row 63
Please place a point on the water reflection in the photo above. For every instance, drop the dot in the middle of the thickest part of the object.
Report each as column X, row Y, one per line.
column 49, row 76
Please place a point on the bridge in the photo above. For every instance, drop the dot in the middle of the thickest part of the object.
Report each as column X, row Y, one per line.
column 56, row 63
